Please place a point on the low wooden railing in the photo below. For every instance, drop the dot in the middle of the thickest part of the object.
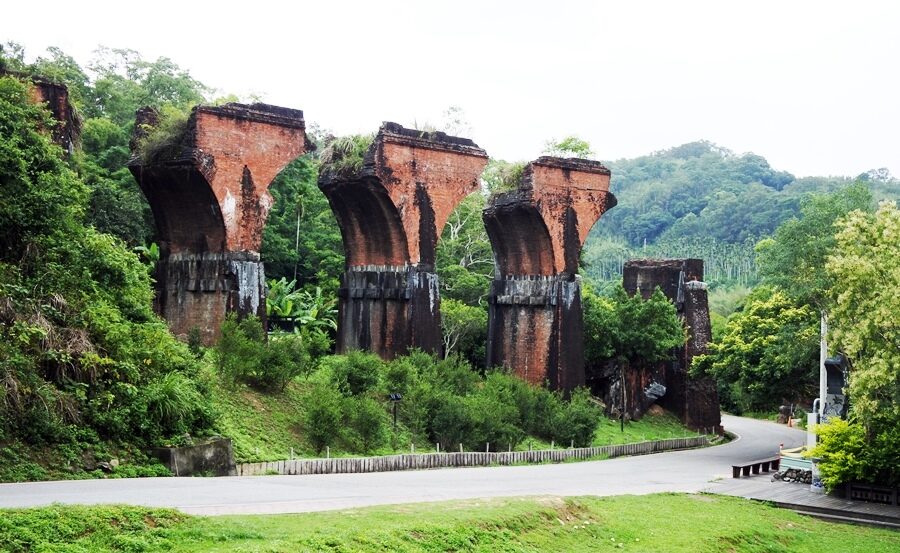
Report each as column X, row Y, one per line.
column 461, row 459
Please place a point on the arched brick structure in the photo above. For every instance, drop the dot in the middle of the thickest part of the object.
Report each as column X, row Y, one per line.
column 209, row 196
column 391, row 214
column 535, row 324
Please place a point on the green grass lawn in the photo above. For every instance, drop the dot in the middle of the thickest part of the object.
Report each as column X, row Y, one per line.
column 665, row 522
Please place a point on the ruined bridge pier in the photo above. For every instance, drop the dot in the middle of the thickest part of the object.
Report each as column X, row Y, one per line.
column 535, row 324
column 208, row 191
column 694, row 400
column 391, row 213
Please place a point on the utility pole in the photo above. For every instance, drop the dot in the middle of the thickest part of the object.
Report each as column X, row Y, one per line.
column 823, row 372
column 622, row 414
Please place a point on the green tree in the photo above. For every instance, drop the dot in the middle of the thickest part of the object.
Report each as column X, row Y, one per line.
column 464, row 259
column 464, row 328
column 570, row 146
column 629, row 329
column 80, row 348
column 302, row 241
column 865, row 272
column 794, row 258
column 768, row 353
column 124, row 82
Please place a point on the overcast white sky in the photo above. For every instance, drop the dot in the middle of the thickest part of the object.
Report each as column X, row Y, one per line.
column 812, row 86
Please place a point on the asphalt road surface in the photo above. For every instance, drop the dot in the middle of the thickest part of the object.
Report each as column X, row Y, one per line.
column 678, row 471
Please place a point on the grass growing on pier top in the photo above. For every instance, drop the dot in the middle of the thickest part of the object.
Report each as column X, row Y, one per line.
column 165, row 139
column 344, row 156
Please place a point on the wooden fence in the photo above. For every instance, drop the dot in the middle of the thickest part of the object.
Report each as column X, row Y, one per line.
column 461, row 459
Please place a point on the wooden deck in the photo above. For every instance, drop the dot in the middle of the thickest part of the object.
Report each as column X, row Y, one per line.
column 799, row 498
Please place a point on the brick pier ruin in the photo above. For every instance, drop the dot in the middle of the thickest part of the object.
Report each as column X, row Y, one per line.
column 55, row 97
column 535, row 323
column 391, row 213
column 208, row 190
column 693, row 399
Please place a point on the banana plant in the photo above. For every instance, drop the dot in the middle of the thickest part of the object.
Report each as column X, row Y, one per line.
column 305, row 309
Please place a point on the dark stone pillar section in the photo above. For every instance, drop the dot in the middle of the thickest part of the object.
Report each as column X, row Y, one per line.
column 391, row 213
column 694, row 400
column 535, row 323
column 388, row 309
column 208, row 190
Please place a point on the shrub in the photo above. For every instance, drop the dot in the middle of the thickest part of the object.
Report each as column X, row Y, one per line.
column 549, row 413
column 579, row 419
column 454, row 374
column 195, row 342
column 323, row 418
column 356, row 372
column 165, row 140
column 366, row 418
column 240, row 349
column 344, row 156
column 842, row 450
column 849, row 455
column 284, row 358
column 172, row 403
column 399, row 376
column 451, row 422
column 244, row 356
column 494, row 418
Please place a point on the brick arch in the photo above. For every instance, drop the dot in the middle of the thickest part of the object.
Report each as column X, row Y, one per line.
column 535, row 324
column 209, row 196
column 521, row 241
column 370, row 223
column 187, row 215
column 390, row 213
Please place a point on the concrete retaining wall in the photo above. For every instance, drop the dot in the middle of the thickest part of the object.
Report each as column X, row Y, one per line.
column 455, row 459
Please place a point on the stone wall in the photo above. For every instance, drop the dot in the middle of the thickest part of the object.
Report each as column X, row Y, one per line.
column 212, row 458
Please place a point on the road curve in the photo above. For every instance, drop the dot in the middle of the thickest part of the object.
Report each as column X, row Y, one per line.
column 678, row 471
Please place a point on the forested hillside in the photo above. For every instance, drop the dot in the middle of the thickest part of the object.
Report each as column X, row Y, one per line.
column 702, row 200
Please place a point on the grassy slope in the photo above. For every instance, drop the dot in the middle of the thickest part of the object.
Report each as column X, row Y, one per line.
column 264, row 427
column 666, row 522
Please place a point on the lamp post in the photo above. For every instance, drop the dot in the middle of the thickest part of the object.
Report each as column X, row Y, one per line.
column 395, row 399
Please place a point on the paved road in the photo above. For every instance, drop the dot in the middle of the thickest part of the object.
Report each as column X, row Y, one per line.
column 679, row 471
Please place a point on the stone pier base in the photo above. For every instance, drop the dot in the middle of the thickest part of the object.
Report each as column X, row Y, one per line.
column 198, row 289
column 388, row 309
column 532, row 321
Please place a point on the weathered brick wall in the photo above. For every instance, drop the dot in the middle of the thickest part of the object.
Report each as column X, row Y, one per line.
column 250, row 145
column 535, row 323
column 391, row 214
column 209, row 197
